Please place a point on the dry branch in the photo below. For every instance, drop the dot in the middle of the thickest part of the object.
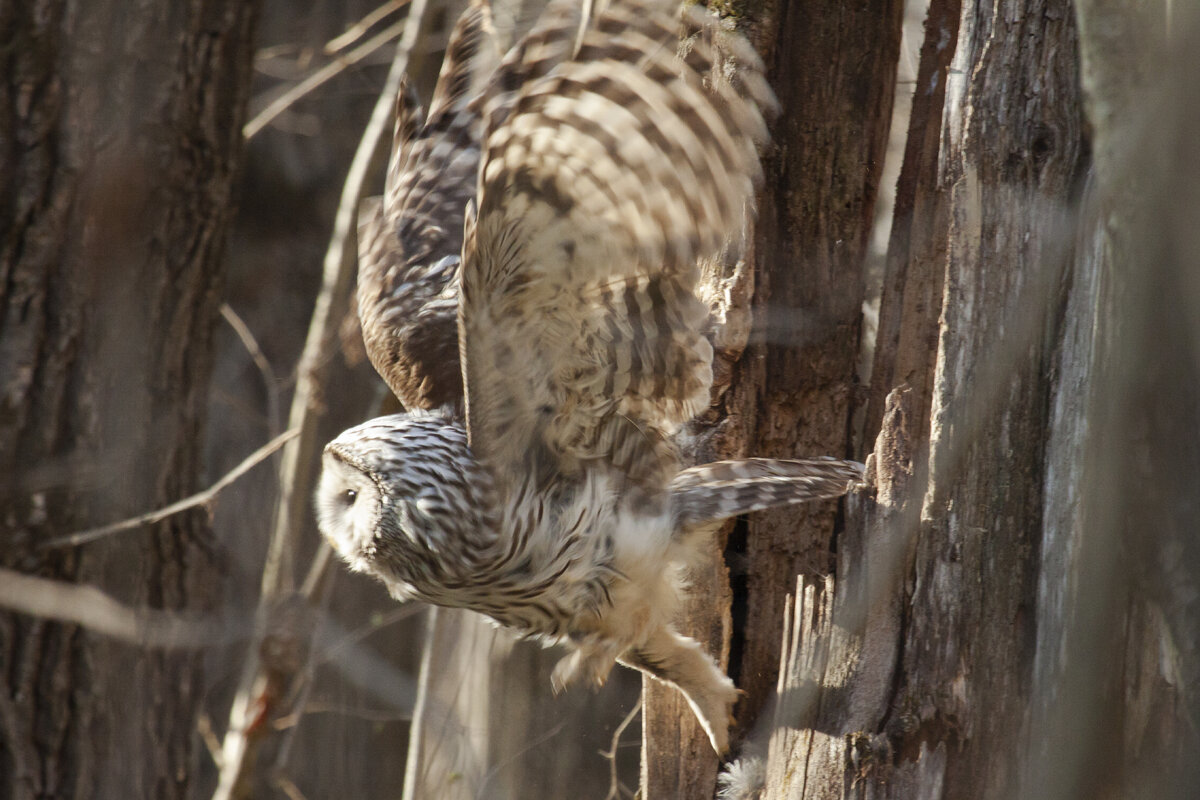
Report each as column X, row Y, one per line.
column 359, row 29
column 95, row 610
column 615, row 787
column 321, row 76
column 250, row 342
column 199, row 499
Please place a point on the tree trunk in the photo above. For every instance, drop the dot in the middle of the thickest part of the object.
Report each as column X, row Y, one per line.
column 994, row 627
column 925, row 647
column 1118, row 666
column 792, row 392
column 120, row 139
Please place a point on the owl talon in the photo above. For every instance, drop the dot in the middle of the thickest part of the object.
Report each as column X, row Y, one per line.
column 590, row 665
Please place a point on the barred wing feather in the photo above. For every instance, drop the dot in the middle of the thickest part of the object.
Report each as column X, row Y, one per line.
column 608, row 170
column 410, row 240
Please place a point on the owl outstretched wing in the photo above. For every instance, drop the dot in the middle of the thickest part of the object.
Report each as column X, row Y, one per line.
column 613, row 160
column 410, row 240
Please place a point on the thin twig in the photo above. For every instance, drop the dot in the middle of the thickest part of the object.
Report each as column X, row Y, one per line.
column 398, row 614
column 368, row 714
column 209, row 737
column 243, row 408
column 529, row 747
column 288, row 787
column 585, row 19
column 272, row 52
column 317, row 569
column 270, row 382
column 321, row 76
column 332, row 301
column 301, row 687
column 199, row 499
column 614, row 782
column 360, row 28
column 417, row 760
column 84, row 604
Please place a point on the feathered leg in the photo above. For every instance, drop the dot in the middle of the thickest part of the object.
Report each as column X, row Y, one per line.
column 680, row 661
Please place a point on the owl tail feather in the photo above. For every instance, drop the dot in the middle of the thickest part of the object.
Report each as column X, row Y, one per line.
column 728, row 488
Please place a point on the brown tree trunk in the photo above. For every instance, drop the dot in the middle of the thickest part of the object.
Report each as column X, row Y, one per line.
column 834, row 71
column 118, row 145
column 792, row 393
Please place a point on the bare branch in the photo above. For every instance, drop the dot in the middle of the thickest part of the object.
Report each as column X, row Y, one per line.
column 332, row 302
column 317, row 570
column 93, row 609
column 360, row 28
column 289, row 788
column 316, row 707
column 199, row 499
column 246, row 737
column 209, row 737
column 321, row 76
column 398, row 614
column 614, row 785
column 533, row 743
column 270, row 382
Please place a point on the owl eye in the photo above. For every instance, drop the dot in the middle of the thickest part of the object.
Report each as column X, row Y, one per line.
column 349, row 496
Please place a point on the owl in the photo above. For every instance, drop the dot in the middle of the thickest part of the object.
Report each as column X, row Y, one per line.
column 527, row 288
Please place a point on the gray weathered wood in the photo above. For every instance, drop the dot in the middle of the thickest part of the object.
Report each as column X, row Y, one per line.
column 924, row 688
column 1118, row 666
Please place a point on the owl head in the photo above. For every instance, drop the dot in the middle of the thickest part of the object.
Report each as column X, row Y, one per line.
column 397, row 493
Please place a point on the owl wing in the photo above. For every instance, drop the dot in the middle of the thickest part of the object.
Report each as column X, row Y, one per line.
column 410, row 240
column 613, row 161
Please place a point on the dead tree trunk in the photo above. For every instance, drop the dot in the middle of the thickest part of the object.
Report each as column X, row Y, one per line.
column 119, row 141
column 910, row 666
column 791, row 393
column 1008, row 611
column 1117, row 673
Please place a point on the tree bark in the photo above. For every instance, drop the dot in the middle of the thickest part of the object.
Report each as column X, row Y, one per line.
column 1012, row 156
column 1019, row 656
column 834, row 69
column 793, row 391
column 1007, row 613
column 1118, row 666
column 118, row 148
column 931, row 635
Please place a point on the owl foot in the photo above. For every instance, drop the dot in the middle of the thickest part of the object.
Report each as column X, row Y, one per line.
column 589, row 664
column 681, row 662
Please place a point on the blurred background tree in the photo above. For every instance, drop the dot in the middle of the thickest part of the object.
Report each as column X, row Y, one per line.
column 120, row 147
